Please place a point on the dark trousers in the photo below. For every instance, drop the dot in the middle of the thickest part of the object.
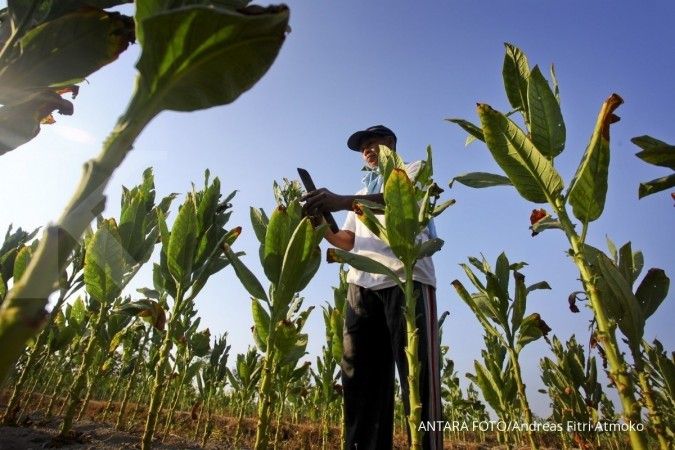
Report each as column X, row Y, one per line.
column 374, row 340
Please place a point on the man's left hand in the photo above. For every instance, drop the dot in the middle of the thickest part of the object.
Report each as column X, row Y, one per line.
column 324, row 200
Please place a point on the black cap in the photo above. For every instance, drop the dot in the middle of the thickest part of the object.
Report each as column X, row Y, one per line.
column 355, row 140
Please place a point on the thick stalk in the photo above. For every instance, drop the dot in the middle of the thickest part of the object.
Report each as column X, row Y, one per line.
column 280, row 414
column 113, row 394
column 265, row 395
column 415, row 415
column 125, row 398
column 158, row 382
column 87, row 397
column 137, row 406
column 654, row 415
column 52, row 374
column 208, row 426
column 42, row 340
column 618, row 370
column 80, row 380
column 522, row 396
column 240, row 418
column 173, row 404
column 132, row 375
column 22, row 313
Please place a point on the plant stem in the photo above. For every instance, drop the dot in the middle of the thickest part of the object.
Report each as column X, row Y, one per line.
column 80, row 380
column 265, row 400
column 158, row 383
column 618, row 369
column 22, row 313
column 524, row 405
column 415, row 415
column 654, row 415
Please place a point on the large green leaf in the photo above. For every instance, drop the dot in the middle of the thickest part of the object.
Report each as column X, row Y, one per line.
column 301, row 251
column 531, row 329
column 182, row 241
column 276, row 241
column 104, row 265
column 401, row 211
column 530, row 172
column 519, row 302
column 547, row 127
column 248, row 280
column 588, row 189
column 651, row 292
column 199, row 56
column 259, row 221
column 632, row 321
column 65, row 50
column 261, row 322
column 655, row 152
column 516, row 72
column 361, row 262
column 481, row 180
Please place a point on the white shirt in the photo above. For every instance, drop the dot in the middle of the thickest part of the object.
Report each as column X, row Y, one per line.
column 368, row 244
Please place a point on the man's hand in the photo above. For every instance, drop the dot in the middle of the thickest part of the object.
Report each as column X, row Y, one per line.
column 323, row 200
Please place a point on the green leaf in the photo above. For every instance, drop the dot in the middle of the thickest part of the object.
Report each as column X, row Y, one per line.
column 182, row 241
column 429, row 247
column 200, row 56
column 539, row 285
column 652, row 291
column 250, row 282
column 516, row 72
column 546, row 122
column 481, row 180
column 530, row 172
column 401, row 211
column 300, row 252
column 611, row 246
column 655, row 152
column 554, row 80
column 530, row 330
column 361, row 262
column 632, row 321
column 104, row 265
column 366, row 215
column 519, row 302
column 588, row 189
column 656, row 185
column 276, row 241
column 65, row 50
column 473, row 130
column 21, row 262
column 259, row 221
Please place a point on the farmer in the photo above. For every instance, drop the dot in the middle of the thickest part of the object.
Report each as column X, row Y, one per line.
column 374, row 335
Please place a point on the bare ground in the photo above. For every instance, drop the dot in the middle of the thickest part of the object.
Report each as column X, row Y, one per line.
column 37, row 432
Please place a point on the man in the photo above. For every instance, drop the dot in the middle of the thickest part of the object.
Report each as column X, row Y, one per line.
column 374, row 335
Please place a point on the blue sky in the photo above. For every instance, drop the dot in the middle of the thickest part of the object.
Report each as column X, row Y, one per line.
column 408, row 65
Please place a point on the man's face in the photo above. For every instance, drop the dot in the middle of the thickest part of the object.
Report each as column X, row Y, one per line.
column 370, row 149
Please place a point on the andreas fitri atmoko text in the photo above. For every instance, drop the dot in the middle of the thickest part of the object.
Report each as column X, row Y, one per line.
column 501, row 425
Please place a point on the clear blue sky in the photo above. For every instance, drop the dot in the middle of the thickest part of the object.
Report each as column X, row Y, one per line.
column 408, row 65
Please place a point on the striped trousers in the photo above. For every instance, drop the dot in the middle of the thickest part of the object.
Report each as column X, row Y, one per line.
column 374, row 340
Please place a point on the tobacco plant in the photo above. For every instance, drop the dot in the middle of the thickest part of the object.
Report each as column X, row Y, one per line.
column 244, row 380
column 290, row 256
column 526, row 155
column 223, row 50
column 191, row 253
column 571, row 382
column 409, row 206
column 503, row 319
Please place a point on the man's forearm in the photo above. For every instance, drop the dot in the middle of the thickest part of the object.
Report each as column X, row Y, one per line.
column 348, row 200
